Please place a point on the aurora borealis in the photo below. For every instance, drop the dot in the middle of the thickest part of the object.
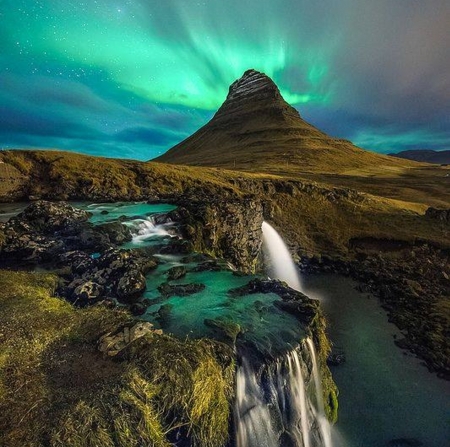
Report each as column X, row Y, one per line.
column 129, row 78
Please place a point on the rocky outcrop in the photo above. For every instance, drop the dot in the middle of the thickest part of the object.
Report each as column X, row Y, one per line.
column 230, row 230
column 177, row 272
column 112, row 344
column 118, row 273
column 168, row 290
column 442, row 215
column 413, row 284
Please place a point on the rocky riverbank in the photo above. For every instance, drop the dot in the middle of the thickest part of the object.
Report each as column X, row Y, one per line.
column 413, row 285
column 138, row 373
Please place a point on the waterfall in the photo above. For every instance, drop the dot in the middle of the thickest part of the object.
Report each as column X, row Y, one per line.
column 282, row 264
column 324, row 425
column 281, row 405
column 143, row 229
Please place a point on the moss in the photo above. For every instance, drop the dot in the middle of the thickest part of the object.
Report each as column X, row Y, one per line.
column 56, row 389
column 323, row 347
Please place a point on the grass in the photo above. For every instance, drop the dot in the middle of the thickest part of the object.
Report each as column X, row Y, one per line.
column 56, row 389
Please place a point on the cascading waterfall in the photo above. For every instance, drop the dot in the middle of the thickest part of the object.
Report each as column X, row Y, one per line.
column 324, row 425
column 282, row 264
column 143, row 229
column 281, row 405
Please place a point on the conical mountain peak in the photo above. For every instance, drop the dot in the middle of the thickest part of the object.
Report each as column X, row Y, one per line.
column 256, row 129
column 251, row 82
column 255, row 94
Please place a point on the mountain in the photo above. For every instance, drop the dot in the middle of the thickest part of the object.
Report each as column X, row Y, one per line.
column 427, row 156
column 255, row 129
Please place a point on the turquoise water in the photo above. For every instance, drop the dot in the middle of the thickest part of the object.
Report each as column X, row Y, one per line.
column 117, row 210
column 263, row 326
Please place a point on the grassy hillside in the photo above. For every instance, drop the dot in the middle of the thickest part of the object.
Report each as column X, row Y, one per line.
column 56, row 388
column 317, row 213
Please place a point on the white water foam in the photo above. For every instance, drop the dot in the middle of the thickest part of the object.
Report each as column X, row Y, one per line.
column 144, row 229
column 281, row 402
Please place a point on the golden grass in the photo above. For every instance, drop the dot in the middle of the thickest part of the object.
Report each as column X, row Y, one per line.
column 57, row 390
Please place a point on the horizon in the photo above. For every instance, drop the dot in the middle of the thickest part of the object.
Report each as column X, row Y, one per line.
column 132, row 79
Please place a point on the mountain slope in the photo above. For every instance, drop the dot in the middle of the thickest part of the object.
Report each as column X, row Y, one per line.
column 427, row 156
column 256, row 130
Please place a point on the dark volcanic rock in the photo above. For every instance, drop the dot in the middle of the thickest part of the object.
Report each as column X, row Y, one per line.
column 87, row 291
column 47, row 217
column 412, row 282
column 231, row 229
column 117, row 232
column 442, row 215
column 131, row 285
column 167, row 289
column 176, row 272
column 33, row 236
column 226, row 331
column 292, row 301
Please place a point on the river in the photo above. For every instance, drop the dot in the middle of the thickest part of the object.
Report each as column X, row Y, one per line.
column 385, row 392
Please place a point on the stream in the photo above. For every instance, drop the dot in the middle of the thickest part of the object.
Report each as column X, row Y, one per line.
column 387, row 398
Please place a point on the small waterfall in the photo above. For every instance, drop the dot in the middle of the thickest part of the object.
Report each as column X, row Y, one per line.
column 143, row 229
column 281, row 405
column 324, row 425
column 282, row 264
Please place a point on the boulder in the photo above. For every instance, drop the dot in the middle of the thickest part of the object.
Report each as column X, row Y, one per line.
column 113, row 343
column 117, row 232
column 87, row 291
column 167, row 289
column 176, row 272
column 131, row 285
column 226, row 330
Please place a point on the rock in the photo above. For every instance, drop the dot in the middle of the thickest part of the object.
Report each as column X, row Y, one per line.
column 117, row 232
column 167, row 289
column 230, row 229
column 138, row 309
column 336, row 357
column 131, row 285
column 292, row 301
column 438, row 214
column 209, row 266
column 196, row 258
column 113, row 343
column 176, row 272
column 227, row 331
column 164, row 312
column 179, row 247
column 87, row 291
column 78, row 261
column 47, row 217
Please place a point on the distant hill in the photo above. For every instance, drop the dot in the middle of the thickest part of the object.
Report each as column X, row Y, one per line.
column 256, row 130
column 427, row 156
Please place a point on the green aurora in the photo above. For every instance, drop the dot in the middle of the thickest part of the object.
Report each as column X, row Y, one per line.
column 132, row 78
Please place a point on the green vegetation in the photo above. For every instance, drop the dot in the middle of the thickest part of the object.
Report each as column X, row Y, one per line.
column 323, row 347
column 56, row 389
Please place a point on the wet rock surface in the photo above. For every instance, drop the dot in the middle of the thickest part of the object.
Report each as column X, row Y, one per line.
column 230, row 229
column 168, row 290
column 292, row 301
column 176, row 272
column 46, row 231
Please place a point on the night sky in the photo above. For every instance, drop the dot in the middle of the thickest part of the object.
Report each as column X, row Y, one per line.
column 129, row 78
